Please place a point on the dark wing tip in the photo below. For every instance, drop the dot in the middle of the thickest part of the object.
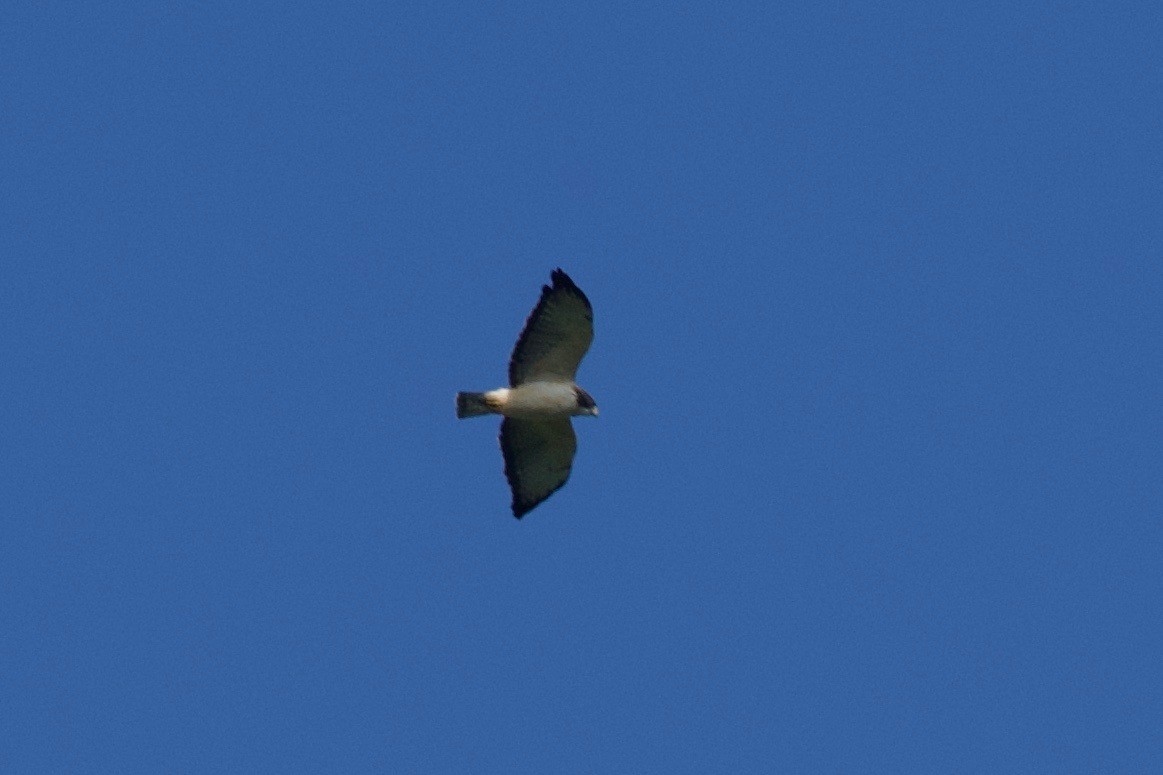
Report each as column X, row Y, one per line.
column 563, row 282
column 523, row 507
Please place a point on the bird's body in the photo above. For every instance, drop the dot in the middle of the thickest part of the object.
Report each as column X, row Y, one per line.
column 531, row 401
column 537, row 438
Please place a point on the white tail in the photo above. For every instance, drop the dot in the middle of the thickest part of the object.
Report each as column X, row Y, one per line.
column 471, row 405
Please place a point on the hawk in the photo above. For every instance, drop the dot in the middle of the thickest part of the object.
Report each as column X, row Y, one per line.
column 537, row 439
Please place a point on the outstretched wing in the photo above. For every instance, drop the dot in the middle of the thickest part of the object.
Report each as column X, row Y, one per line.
column 538, row 456
column 556, row 335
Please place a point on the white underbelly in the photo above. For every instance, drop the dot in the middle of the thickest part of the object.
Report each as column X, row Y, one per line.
column 541, row 399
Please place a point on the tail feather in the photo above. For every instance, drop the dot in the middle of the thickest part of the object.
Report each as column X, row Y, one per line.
column 471, row 405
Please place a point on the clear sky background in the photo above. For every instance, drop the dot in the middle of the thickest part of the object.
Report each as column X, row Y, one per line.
column 877, row 483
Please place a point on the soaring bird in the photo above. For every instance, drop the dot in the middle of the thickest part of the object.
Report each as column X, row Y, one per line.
column 537, row 438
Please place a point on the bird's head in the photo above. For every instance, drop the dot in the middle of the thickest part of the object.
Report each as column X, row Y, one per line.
column 585, row 403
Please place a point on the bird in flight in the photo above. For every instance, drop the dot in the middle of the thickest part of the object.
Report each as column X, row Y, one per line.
column 537, row 438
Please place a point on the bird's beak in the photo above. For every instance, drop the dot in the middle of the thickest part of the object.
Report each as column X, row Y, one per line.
column 594, row 411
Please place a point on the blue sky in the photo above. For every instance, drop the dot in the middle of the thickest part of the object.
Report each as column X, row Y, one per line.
column 877, row 484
